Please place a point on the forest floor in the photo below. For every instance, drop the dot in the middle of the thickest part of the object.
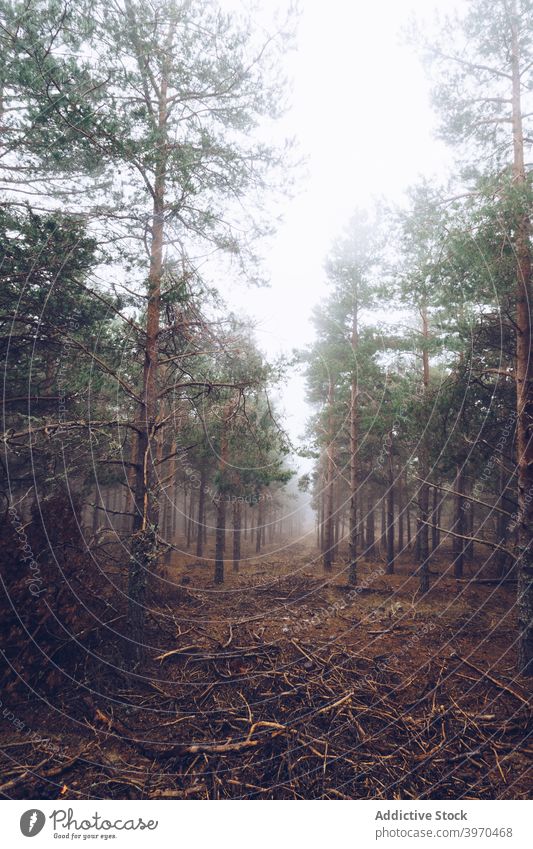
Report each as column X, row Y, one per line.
column 284, row 683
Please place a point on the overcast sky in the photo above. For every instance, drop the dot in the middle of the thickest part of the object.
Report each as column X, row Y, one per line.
column 362, row 117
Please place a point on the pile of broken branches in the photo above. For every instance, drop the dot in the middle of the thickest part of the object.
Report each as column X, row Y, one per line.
column 292, row 720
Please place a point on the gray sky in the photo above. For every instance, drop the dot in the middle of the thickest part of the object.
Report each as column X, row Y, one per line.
column 362, row 117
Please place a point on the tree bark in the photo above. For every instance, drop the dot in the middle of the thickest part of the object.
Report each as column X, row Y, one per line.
column 236, row 534
column 401, row 514
column 145, row 545
column 459, row 524
column 408, row 522
column 220, row 538
column 201, row 513
column 370, row 526
column 258, row 530
column 423, row 496
column 524, row 375
column 354, row 422
column 390, row 519
column 434, row 519
column 328, row 535
column 190, row 519
column 220, row 535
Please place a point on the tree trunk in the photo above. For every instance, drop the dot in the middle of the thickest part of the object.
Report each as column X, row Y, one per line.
column 459, row 524
column 258, row 530
column 352, row 574
column 190, row 520
column 423, row 496
column 236, row 534
column 434, row 520
column 220, row 535
column 322, row 521
column 370, row 527
column 201, row 513
column 145, row 545
column 470, row 512
column 401, row 514
column 501, row 530
column 409, row 534
column 328, row 535
column 383, row 528
column 524, row 375
column 220, row 538
column 390, row 520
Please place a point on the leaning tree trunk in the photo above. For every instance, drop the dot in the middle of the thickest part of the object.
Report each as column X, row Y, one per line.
column 524, row 377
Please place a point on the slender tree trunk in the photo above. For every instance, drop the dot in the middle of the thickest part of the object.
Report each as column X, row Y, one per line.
column 322, row 521
column 220, row 535
column 201, row 513
column 236, row 534
column 458, row 542
column 409, row 534
column 328, row 536
column 524, row 373
column 258, row 530
column 434, row 519
column 175, row 515
column 401, row 514
column 383, row 528
column 390, row 519
column 470, row 512
column 423, row 496
column 144, row 551
column 219, row 539
column 337, row 522
column 354, row 437
column 370, row 526
column 184, row 514
column 190, row 519
column 501, row 533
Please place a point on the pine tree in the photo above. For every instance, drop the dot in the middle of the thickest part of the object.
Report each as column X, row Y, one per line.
column 483, row 69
